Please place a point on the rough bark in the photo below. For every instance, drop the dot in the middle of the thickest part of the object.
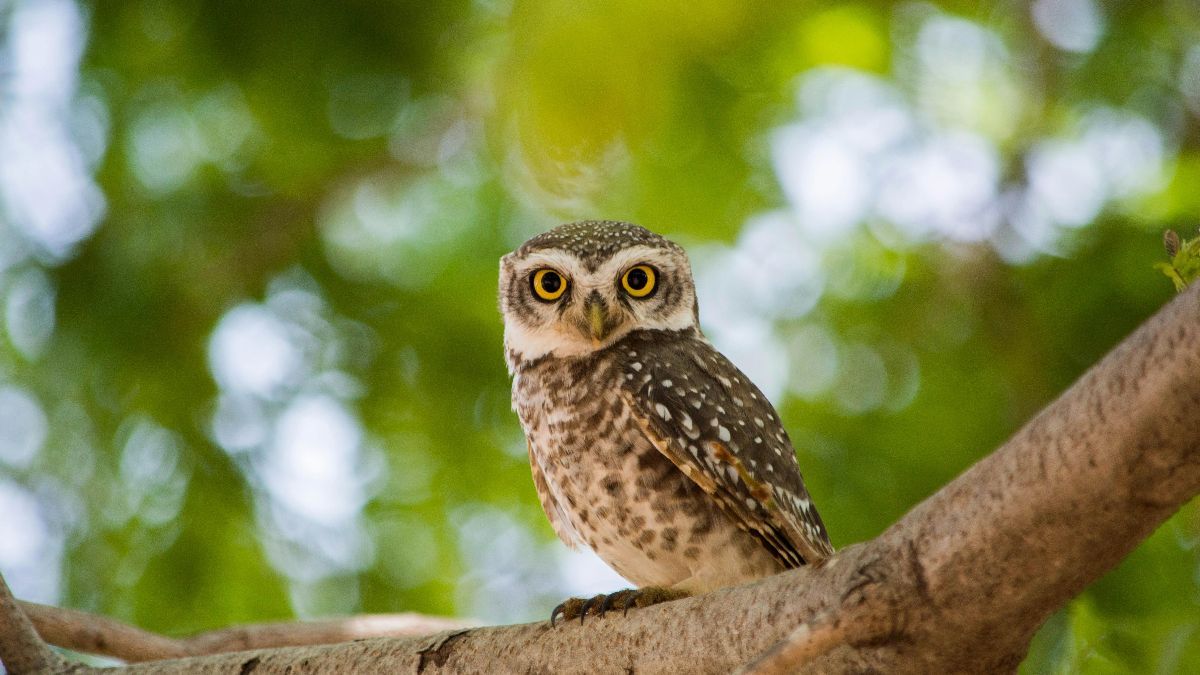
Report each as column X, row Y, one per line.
column 959, row 584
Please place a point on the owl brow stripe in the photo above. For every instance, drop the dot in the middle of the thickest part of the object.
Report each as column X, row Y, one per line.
column 593, row 262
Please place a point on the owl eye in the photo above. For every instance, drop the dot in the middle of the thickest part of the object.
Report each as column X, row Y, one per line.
column 548, row 285
column 639, row 281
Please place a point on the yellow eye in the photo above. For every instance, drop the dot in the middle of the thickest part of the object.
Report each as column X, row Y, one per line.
column 548, row 285
column 639, row 281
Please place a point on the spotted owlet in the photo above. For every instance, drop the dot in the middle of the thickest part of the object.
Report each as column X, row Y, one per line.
column 646, row 443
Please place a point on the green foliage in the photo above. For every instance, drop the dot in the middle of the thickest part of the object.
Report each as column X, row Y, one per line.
column 250, row 357
column 1184, row 254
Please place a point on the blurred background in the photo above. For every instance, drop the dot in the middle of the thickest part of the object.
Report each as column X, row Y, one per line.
column 250, row 356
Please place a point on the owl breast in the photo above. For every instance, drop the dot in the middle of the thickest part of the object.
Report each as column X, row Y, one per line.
column 604, row 484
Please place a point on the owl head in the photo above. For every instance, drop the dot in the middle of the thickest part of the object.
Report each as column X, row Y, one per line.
column 583, row 286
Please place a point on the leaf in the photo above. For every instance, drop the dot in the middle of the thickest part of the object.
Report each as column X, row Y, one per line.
column 1184, row 267
column 1173, row 274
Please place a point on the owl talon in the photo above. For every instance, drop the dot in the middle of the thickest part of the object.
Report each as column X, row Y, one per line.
column 630, row 601
column 568, row 609
column 599, row 605
column 579, row 608
column 589, row 604
column 611, row 599
column 651, row 595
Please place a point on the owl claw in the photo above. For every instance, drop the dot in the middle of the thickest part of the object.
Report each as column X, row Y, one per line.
column 573, row 608
column 567, row 608
column 589, row 604
column 599, row 605
column 629, row 602
column 611, row 599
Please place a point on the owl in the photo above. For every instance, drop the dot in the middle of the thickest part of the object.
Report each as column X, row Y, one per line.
column 646, row 444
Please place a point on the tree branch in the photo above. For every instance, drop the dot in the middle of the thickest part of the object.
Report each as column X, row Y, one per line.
column 807, row 642
column 88, row 633
column 21, row 650
column 960, row 583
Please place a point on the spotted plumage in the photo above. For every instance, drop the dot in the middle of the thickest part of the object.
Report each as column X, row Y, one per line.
column 646, row 444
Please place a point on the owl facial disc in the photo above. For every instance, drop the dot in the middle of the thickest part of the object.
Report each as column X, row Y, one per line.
column 583, row 286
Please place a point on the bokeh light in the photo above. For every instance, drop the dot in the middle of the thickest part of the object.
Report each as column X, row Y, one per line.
column 250, row 354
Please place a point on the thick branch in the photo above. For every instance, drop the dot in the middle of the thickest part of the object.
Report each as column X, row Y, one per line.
column 959, row 584
column 1027, row 528
column 83, row 632
column 806, row 643
column 21, row 651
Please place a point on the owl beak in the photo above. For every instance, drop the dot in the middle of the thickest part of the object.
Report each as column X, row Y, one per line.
column 596, row 321
column 599, row 322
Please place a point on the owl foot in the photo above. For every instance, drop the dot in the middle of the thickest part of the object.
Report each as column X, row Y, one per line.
column 623, row 600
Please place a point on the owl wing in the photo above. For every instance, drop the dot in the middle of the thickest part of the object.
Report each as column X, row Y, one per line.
column 558, row 518
column 706, row 416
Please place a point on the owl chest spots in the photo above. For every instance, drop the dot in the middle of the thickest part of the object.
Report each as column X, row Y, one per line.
column 578, row 428
column 623, row 497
